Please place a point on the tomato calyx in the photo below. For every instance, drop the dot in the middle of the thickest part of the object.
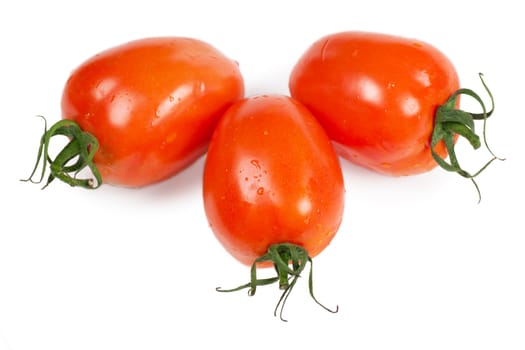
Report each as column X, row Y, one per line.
column 289, row 261
column 450, row 121
column 73, row 158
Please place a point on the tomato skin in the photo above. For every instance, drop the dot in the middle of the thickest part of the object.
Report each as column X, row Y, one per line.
column 376, row 96
column 152, row 104
column 271, row 176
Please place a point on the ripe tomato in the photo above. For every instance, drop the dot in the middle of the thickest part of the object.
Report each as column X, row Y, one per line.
column 152, row 104
column 377, row 96
column 273, row 188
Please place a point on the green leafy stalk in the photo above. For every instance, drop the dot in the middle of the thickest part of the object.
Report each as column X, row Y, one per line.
column 289, row 261
column 450, row 122
column 73, row 158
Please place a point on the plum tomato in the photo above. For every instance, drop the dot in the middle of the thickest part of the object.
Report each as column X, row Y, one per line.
column 273, row 188
column 388, row 102
column 142, row 111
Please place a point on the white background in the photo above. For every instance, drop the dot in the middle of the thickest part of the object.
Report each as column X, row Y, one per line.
column 417, row 263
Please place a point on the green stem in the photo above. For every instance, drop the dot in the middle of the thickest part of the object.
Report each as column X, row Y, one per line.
column 82, row 146
column 450, row 122
column 282, row 255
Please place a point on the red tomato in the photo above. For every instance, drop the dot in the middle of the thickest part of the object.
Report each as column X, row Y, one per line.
column 390, row 104
column 272, row 178
column 376, row 95
column 152, row 104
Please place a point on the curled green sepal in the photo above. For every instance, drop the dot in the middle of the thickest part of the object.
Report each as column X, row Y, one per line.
column 73, row 158
column 450, row 121
column 289, row 261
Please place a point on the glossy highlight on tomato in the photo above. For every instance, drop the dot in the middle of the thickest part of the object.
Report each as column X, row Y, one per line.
column 151, row 104
column 273, row 188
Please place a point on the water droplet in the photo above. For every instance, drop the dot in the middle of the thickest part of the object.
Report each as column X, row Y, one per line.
column 255, row 163
column 171, row 137
column 202, row 87
column 260, row 191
